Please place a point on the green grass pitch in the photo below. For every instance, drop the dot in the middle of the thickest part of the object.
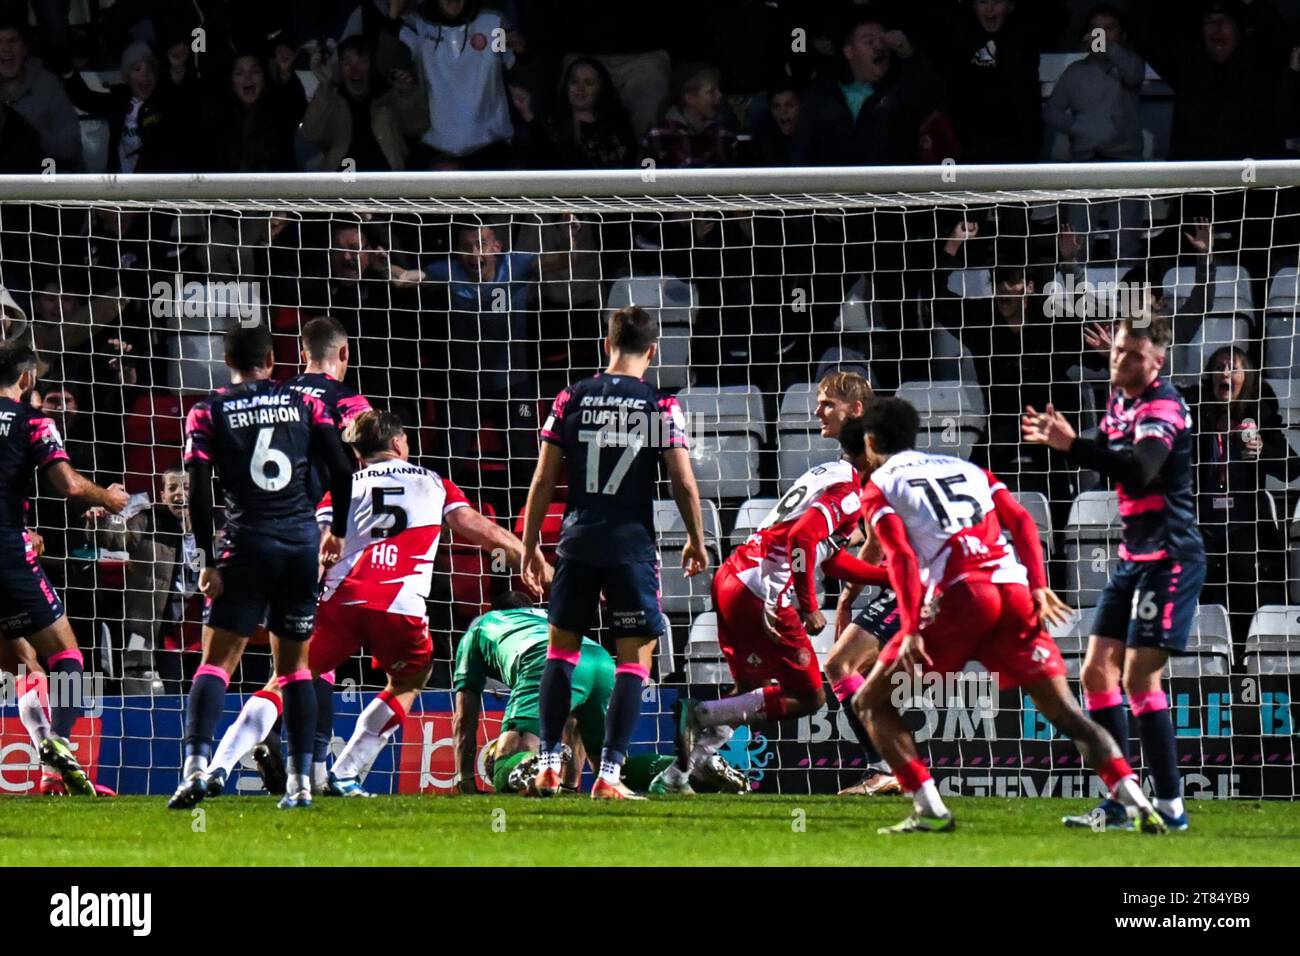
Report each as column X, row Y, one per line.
column 574, row 831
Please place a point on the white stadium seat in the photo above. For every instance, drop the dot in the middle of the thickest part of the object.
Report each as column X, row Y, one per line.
column 748, row 518
column 1209, row 649
column 727, row 433
column 704, row 661
column 952, row 415
column 1091, row 541
column 678, row 593
column 674, row 303
column 1273, row 643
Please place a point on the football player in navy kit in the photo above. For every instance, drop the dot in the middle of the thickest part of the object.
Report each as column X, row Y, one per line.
column 1146, row 611
column 612, row 430
column 259, row 438
column 29, row 606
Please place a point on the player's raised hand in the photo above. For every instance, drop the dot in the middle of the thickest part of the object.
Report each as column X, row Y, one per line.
column 695, row 558
column 1051, row 608
column 912, row 654
column 115, row 498
column 331, row 549
column 210, row 583
column 1047, row 428
column 533, row 571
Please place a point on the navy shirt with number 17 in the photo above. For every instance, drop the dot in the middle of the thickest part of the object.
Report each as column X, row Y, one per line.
column 613, row 430
column 258, row 438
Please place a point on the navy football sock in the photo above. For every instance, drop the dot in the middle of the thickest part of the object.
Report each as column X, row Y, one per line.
column 203, row 710
column 554, row 703
column 624, row 709
column 1159, row 753
column 324, row 718
column 1115, row 721
column 864, row 739
column 299, row 722
column 65, row 691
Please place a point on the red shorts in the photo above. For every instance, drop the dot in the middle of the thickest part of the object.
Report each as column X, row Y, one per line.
column 754, row 658
column 995, row 624
column 400, row 643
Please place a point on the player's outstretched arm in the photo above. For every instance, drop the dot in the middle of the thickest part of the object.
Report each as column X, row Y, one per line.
column 1135, row 468
column 466, row 524
column 540, row 494
column 70, row 483
column 695, row 557
column 464, row 734
column 904, row 570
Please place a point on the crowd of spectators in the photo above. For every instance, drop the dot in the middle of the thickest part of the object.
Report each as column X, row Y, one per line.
column 467, row 325
column 227, row 85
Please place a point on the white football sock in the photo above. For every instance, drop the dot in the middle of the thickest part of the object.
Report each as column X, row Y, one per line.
column 367, row 740
column 1170, row 808
column 731, row 710
column 927, row 801
column 296, row 783
column 675, row 774
column 34, row 717
column 611, row 772
column 1129, row 793
column 708, row 742
column 249, row 729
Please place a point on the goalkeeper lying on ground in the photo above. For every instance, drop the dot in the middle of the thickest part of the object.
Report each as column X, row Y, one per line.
column 509, row 644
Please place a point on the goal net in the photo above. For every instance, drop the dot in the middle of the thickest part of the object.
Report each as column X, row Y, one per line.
column 471, row 299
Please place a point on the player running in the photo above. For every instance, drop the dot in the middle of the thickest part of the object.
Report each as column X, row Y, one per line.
column 765, row 596
column 1145, row 447
column 29, row 606
column 508, row 644
column 858, row 639
column 940, row 521
column 376, row 597
column 261, row 439
column 612, row 429
column 325, row 359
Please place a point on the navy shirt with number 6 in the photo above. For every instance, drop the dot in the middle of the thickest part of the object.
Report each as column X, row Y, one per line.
column 258, row 438
column 613, row 430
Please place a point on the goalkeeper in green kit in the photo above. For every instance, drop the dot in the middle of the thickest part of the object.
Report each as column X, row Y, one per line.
column 509, row 644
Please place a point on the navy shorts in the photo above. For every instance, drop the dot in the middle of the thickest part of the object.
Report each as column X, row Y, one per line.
column 631, row 596
column 28, row 602
column 266, row 579
column 1150, row 604
column 880, row 616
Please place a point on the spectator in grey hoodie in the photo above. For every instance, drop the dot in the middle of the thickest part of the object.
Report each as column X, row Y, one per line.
column 37, row 96
column 1095, row 107
column 1095, row 103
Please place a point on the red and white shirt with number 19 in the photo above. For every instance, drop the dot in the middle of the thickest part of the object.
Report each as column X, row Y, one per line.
column 394, row 524
column 952, row 523
column 763, row 562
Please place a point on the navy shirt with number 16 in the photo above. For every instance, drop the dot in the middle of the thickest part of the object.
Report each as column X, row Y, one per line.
column 258, row 438
column 613, row 430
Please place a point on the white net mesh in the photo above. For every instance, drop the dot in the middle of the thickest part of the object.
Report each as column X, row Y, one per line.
column 467, row 315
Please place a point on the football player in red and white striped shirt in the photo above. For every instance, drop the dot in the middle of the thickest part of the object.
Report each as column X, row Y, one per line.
column 940, row 521
column 765, row 596
column 375, row 597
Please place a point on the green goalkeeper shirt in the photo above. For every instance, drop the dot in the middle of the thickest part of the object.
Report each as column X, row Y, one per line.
column 508, row 646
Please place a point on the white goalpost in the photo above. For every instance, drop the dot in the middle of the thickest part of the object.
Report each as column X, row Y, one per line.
column 471, row 299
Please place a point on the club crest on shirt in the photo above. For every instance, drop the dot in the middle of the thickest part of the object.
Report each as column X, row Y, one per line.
column 479, row 42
